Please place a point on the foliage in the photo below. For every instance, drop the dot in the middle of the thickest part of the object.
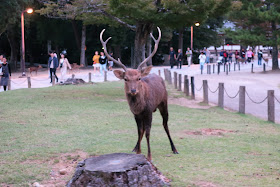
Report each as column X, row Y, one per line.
column 40, row 124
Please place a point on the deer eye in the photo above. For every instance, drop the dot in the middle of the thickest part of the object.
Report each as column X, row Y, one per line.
column 125, row 79
column 139, row 79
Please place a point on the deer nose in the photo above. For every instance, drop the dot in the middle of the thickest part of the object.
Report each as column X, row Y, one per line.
column 133, row 90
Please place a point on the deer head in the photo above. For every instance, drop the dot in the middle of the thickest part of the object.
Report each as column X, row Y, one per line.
column 132, row 77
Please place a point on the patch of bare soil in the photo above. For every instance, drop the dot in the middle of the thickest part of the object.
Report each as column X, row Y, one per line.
column 63, row 167
column 205, row 184
column 187, row 103
column 209, row 132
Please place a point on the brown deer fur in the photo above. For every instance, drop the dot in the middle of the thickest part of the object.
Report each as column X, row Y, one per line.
column 145, row 93
column 34, row 69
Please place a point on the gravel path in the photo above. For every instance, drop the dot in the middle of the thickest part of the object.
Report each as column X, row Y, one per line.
column 256, row 83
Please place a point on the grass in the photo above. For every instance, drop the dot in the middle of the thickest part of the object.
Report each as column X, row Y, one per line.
column 38, row 124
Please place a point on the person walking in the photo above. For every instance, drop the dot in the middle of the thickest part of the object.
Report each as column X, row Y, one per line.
column 208, row 54
column 202, row 59
column 96, row 64
column 249, row 55
column 179, row 59
column 63, row 64
column 230, row 56
column 260, row 56
column 243, row 55
column 225, row 54
column 189, row 56
column 53, row 65
column 6, row 74
column 172, row 57
column 103, row 63
column 236, row 54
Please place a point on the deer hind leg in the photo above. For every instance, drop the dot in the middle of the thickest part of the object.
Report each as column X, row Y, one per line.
column 164, row 113
column 140, row 129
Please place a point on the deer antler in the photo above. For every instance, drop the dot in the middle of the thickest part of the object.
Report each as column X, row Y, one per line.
column 155, row 48
column 106, row 53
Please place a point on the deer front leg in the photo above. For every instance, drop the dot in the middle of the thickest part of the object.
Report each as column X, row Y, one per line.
column 147, row 126
column 140, row 129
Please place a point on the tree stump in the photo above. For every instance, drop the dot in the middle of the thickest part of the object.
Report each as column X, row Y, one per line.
column 119, row 170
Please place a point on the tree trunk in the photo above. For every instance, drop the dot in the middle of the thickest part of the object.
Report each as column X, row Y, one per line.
column 76, row 33
column 149, row 50
column 83, row 46
column 117, row 52
column 142, row 32
column 274, row 47
column 180, row 43
column 13, row 44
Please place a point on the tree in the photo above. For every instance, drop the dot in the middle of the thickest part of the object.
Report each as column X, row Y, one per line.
column 257, row 23
column 139, row 15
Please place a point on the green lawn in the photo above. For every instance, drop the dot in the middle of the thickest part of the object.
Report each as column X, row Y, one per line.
column 37, row 124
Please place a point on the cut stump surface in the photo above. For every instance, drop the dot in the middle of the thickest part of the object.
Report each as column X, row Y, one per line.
column 117, row 169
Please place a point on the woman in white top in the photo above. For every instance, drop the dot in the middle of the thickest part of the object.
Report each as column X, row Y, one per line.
column 63, row 64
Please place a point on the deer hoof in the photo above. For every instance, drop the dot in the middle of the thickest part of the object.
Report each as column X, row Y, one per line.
column 175, row 152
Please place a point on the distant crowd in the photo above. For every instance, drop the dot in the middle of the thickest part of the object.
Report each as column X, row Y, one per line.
column 205, row 56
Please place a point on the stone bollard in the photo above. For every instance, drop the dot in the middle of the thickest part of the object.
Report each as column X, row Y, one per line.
column 221, row 95
column 175, row 80
column 264, row 67
column 186, row 85
column 159, row 73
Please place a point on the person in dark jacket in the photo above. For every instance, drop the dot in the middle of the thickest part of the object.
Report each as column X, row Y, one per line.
column 179, row 59
column 6, row 74
column 260, row 56
column 103, row 63
column 53, row 65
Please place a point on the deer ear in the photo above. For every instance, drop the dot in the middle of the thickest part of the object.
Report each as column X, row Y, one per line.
column 146, row 71
column 119, row 74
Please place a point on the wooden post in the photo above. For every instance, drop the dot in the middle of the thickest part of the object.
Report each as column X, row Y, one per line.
column 270, row 106
column 239, row 66
column 264, row 67
column 73, row 76
column 89, row 77
column 213, row 68
column 180, row 83
column 242, row 91
column 229, row 66
column 192, row 87
column 224, row 67
column 53, row 79
column 170, row 77
column 210, row 69
column 205, row 91
column 234, row 66
column 186, row 85
column 221, row 95
column 201, row 69
column 9, row 84
column 218, row 69
column 252, row 69
column 105, row 76
column 175, row 80
column 227, row 69
column 159, row 73
column 29, row 82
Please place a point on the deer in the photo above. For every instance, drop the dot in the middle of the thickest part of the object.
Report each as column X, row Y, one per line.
column 145, row 93
column 34, row 69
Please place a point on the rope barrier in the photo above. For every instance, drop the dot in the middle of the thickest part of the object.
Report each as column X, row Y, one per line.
column 255, row 101
column 19, row 83
column 277, row 99
column 199, row 88
column 40, row 79
column 213, row 91
column 232, row 97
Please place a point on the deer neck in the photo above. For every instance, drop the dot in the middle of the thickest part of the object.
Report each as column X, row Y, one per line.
column 137, row 103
